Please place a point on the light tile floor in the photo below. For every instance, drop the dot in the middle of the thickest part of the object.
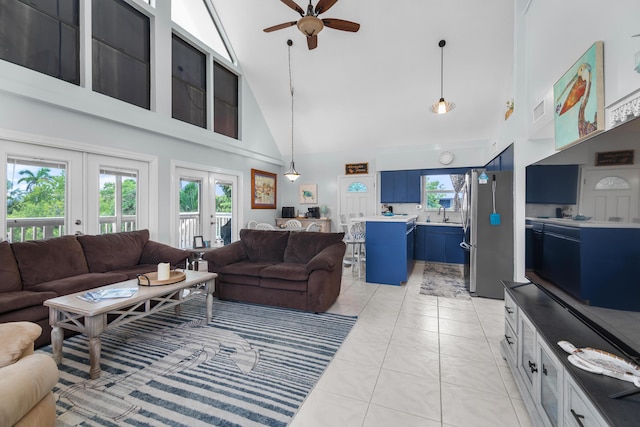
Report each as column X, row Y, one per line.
column 415, row 360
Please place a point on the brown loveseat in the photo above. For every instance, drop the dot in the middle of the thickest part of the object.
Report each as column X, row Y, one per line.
column 34, row 271
column 300, row 270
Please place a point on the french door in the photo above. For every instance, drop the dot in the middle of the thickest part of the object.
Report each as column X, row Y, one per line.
column 118, row 194
column 206, row 206
column 44, row 196
column 54, row 191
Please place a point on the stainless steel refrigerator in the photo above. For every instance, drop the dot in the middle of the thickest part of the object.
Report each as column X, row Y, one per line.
column 488, row 232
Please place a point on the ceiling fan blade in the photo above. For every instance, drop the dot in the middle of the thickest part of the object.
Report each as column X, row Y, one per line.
column 341, row 24
column 293, row 6
column 280, row 26
column 312, row 42
column 324, row 5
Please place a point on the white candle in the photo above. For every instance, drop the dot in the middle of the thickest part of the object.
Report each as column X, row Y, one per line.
column 163, row 271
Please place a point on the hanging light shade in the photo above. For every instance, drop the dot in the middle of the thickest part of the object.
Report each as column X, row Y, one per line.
column 442, row 106
column 291, row 174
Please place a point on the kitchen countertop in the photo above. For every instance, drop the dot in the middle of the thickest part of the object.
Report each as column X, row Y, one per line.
column 383, row 218
column 441, row 224
column 584, row 224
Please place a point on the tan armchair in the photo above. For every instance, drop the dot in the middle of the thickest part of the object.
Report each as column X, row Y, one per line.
column 26, row 379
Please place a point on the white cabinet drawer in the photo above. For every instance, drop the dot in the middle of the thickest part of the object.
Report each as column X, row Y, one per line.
column 511, row 341
column 578, row 411
column 510, row 311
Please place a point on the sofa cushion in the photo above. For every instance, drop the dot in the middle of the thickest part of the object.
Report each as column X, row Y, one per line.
column 283, row 285
column 243, row 272
column 11, row 301
column 16, row 341
column 286, row 271
column 79, row 283
column 108, row 252
column 264, row 245
column 304, row 246
column 155, row 252
column 9, row 273
column 49, row 259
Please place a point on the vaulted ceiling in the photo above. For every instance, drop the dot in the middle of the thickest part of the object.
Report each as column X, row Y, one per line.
column 372, row 89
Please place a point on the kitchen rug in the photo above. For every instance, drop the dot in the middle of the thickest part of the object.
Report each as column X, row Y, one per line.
column 252, row 365
column 444, row 280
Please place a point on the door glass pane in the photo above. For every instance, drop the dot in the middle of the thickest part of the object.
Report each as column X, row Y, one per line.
column 528, row 351
column 189, row 226
column 118, row 201
column 223, row 211
column 36, row 192
column 549, row 388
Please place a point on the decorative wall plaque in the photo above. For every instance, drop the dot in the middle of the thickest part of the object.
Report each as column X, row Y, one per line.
column 356, row 168
column 614, row 158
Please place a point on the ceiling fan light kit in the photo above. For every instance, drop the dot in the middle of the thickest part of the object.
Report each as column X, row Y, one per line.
column 442, row 106
column 291, row 174
column 310, row 25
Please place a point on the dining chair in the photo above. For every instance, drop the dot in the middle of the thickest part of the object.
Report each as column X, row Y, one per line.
column 313, row 226
column 264, row 226
column 356, row 241
column 293, row 223
column 252, row 224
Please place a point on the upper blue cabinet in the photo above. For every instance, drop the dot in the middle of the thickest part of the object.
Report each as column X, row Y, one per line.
column 552, row 184
column 400, row 186
column 502, row 162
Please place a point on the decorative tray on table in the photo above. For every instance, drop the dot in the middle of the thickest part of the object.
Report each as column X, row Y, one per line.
column 151, row 279
column 602, row 362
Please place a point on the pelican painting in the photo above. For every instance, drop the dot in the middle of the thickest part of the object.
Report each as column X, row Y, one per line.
column 579, row 99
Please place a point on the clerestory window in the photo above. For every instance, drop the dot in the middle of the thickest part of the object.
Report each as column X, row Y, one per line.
column 42, row 35
column 121, row 52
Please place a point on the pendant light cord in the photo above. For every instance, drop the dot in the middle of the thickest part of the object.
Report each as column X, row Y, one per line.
column 441, row 71
column 291, row 90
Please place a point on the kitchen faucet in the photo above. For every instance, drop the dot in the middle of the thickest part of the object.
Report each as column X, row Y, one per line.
column 444, row 213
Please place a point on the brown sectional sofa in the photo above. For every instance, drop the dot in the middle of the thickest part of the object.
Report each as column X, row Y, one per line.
column 34, row 271
column 292, row 269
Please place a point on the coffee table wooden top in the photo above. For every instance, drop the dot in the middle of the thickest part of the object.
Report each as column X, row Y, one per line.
column 74, row 304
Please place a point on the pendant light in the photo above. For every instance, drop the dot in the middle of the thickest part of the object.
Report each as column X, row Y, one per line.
column 291, row 174
column 442, row 106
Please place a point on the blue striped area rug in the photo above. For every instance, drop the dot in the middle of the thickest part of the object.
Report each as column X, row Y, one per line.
column 252, row 365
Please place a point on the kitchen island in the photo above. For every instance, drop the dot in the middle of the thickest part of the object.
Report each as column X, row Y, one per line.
column 389, row 248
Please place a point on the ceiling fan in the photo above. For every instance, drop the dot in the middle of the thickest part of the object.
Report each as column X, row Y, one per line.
column 310, row 25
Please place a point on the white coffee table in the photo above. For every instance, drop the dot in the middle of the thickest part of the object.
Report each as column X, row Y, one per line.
column 91, row 319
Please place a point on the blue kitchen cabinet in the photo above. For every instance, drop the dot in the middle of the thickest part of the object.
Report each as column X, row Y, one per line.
column 439, row 244
column 502, row 162
column 390, row 251
column 400, row 186
column 594, row 265
column 418, row 246
column 552, row 184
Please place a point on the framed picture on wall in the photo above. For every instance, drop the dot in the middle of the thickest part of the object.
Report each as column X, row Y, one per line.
column 263, row 189
column 308, row 193
column 579, row 99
